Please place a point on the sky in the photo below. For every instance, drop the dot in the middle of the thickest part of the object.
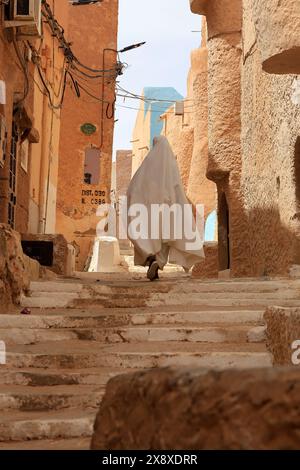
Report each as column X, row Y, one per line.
column 166, row 26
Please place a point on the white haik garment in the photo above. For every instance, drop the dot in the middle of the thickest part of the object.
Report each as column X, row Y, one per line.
column 157, row 182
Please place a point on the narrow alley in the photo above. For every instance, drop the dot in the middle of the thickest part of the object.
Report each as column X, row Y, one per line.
column 149, row 225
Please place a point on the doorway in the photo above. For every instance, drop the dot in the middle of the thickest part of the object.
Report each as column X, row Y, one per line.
column 223, row 234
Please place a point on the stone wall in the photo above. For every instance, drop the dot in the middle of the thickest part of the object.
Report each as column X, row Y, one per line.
column 277, row 25
column 254, row 132
column 283, row 328
column 191, row 409
column 123, row 171
column 209, row 268
column 270, row 128
column 188, row 134
column 180, row 135
column 13, row 275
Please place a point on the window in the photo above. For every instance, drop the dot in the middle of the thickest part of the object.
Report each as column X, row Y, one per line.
column 92, row 166
column 22, row 7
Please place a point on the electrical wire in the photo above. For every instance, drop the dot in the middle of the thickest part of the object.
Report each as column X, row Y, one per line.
column 143, row 98
column 150, row 111
column 98, row 99
column 93, row 94
column 58, row 31
column 77, row 71
column 24, row 69
column 92, row 77
column 171, row 103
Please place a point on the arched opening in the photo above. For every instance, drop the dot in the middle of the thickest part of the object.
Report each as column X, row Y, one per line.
column 210, row 234
column 223, row 233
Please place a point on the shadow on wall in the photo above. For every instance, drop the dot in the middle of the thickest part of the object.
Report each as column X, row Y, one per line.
column 263, row 247
column 273, row 247
column 256, row 242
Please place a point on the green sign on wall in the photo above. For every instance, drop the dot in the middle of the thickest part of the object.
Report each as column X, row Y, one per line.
column 88, row 128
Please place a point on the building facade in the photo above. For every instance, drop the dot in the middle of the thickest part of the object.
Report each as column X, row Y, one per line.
column 253, row 131
column 123, row 171
column 148, row 122
column 188, row 136
column 31, row 74
column 84, row 176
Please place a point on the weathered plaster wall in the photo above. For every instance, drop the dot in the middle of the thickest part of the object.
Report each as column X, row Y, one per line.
column 200, row 188
column 282, row 330
column 11, row 73
column 123, row 171
column 180, row 135
column 270, row 128
column 92, row 28
column 140, row 137
column 209, row 268
column 36, row 185
column 277, row 25
column 188, row 135
column 253, row 130
column 224, row 24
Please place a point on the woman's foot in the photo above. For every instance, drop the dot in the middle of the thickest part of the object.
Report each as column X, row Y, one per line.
column 152, row 273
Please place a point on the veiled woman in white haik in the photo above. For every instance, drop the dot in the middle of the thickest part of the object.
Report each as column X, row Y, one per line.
column 157, row 182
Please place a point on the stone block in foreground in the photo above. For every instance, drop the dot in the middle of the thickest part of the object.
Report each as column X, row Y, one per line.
column 283, row 328
column 193, row 409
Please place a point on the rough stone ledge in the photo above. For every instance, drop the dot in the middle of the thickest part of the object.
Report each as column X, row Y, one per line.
column 13, row 276
column 283, row 328
column 177, row 409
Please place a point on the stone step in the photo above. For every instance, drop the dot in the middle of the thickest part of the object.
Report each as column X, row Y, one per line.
column 74, row 355
column 226, row 333
column 73, row 318
column 29, row 426
column 201, row 317
column 116, row 294
column 51, row 377
column 211, row 360
column 55, row 444
column 81, row 333
column 73, row 301
column 49, row 398
column 180, row 284
column 56, row 286
column 244, row 303
column 218, row 301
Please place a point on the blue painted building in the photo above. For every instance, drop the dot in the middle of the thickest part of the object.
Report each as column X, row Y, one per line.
column 158, row 108
column 148, row 123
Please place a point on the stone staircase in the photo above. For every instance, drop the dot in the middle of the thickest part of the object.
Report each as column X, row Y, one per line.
column 80, row 334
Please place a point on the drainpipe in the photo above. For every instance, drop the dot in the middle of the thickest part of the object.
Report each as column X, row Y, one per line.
column 43, row 169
